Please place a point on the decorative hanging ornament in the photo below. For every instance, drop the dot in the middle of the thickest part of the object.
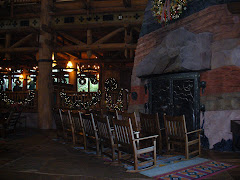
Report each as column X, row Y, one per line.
column 82, row 81
column 94, row 80
column 2, row 82
column 166, row 10
column 110, row 84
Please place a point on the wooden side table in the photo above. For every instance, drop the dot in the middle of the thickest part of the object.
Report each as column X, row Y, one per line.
column 235, row 129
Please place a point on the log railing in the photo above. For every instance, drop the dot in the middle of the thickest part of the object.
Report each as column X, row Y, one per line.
column 59, row 102
column 22, row 97
column 73, row 100
column 86, row 97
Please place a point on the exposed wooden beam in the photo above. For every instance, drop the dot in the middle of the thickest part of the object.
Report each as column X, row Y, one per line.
column 127, row 3
column 71, row 38
column 19, row 49
column 108, row 36
column 96, row 25
column 20, row 30
column 99, row 47
column 23, row 40
column 64, row 56
column 89, row 42
column 71, row 56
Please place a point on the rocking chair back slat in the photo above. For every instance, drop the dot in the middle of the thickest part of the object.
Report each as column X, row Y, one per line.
column 123, row 133
column 90, row 128
column 133, row 117
column 150, row 126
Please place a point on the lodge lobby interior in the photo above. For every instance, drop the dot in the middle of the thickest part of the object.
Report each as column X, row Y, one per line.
column 147, row 63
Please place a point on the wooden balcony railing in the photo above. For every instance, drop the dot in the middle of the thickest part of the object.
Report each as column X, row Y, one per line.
column 81, row 100
column 27, row 99
column 74, row 100
column 68, row 100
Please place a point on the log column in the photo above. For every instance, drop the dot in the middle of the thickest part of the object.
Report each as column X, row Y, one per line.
column 45, row 82
column 89, row 42
column 24, row 79
column 10, row 82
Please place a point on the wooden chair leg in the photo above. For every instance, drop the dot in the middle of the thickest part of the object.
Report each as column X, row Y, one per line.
column 101, row 144
column 155, row 155
column 85, row 142
column 160, row 147
column 168, row 148
column 97, row 144
column 199, row 141
column 113, row 154
column 135, row 162
column 186, row 151
column 119, row 156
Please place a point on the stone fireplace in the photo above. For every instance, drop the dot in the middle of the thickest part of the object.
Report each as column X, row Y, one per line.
column 205, row 43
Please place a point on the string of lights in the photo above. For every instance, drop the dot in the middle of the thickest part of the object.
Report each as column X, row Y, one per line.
column 114, row 106
column 9, row 101
column 78, row 103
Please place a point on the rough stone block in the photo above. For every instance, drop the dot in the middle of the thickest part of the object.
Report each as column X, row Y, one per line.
column 180, row 50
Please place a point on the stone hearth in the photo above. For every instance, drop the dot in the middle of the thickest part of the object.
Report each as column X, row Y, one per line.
column 207, row 41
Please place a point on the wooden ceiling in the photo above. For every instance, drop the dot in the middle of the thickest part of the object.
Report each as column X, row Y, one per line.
column 114, row 26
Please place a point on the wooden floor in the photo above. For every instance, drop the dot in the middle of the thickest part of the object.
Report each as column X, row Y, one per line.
column 232, row 158
column 36, row 156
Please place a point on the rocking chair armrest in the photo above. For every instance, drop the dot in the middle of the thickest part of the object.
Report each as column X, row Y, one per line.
column 162, row 129
column 148, row 137
column 198, row 130
column 136, row 132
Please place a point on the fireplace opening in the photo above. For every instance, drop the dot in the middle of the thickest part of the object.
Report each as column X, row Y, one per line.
column 176, row 94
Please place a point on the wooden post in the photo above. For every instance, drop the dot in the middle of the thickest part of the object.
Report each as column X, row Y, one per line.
column 89, row 42
column 24, row 79
column 45, row 82
column 7, row 45
column 125, row 39
column 73, row 76
column 10, row 82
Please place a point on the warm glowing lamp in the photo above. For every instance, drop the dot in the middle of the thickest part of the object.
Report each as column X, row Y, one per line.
column 69, row 66
column 54, row 62
column 21, row 78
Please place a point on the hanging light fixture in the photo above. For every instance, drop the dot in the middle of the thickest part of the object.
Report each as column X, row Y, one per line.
column 21, row 78
column 54, row 63
column 69, row 66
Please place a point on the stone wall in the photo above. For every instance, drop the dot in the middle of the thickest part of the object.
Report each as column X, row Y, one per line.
column 223, row 92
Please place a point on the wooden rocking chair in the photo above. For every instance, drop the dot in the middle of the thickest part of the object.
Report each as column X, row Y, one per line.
column 79, row 135
column 105, row 133
column 150, row 126
column 67, row 125
column 176, row 134
column 127, row 143
column 90, row 130
column 58, row 123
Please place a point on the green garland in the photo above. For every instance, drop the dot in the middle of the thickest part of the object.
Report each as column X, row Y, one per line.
column 110, row 84
column 166, row 10
column 78, row 103
column 26, row 101
column 119, row 104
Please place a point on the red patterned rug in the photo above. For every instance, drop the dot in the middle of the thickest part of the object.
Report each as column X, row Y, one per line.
column 199, row 171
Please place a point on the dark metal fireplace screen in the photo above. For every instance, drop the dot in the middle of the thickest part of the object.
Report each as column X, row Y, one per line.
column 176, row 94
